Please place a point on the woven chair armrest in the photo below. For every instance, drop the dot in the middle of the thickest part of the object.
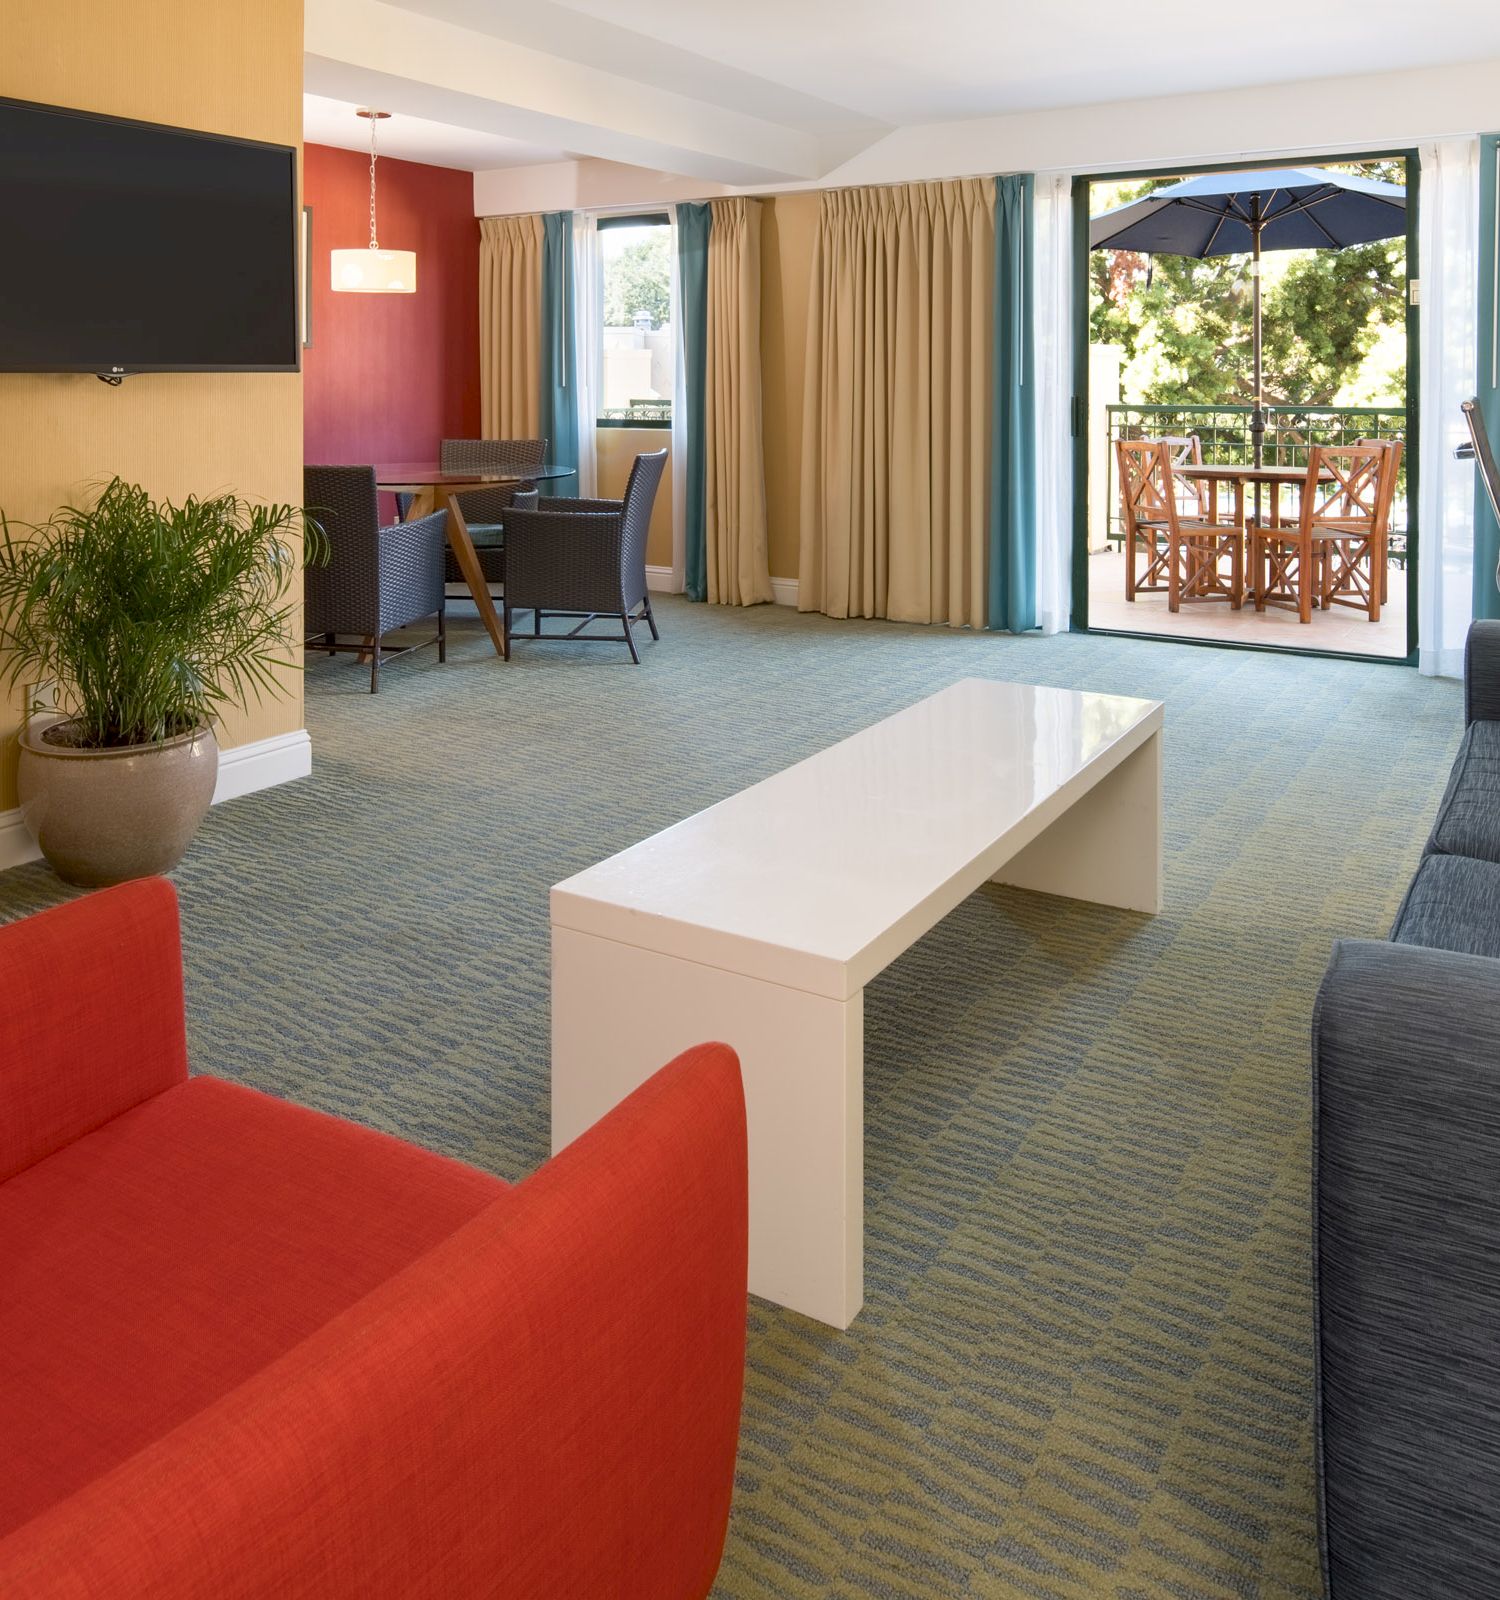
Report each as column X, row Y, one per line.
column 415, row 535
column 562, row 503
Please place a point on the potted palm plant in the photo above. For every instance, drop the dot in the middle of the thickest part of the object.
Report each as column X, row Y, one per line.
column 147, row 620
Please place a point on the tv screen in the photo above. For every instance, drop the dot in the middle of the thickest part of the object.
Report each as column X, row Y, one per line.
column 137, row 248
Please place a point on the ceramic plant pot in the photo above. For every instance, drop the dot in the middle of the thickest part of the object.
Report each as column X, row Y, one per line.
column 104, row 816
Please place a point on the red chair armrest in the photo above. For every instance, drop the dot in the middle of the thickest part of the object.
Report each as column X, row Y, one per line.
column 545, row 1405
column 92, row 1018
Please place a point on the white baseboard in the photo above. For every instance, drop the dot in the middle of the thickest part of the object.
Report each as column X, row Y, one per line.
column 263, row 764
column 783, row 590
column 242, row 770
column 16, row 845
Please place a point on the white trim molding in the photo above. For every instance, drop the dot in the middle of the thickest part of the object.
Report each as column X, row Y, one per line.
column 17, row 847
column 263, row 764
column 242, row 770
column 661, row 580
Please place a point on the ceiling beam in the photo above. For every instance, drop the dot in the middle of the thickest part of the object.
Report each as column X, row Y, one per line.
column 372, row 53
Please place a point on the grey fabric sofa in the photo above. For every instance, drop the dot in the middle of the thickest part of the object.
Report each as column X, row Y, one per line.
column 1406, row 1063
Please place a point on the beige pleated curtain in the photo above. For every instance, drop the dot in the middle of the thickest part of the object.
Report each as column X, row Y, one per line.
column 510, row 327
column 896, row 437
column 738, row 565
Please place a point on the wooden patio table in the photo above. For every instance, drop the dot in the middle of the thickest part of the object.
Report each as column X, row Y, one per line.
column 1240, row 476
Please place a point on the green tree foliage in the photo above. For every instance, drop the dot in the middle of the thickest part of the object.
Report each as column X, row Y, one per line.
column 1185, row 324
column 638, row 278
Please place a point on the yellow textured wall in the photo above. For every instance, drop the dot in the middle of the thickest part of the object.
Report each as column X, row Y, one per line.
column 788, row 226
column 225, row 66
column 616, row 450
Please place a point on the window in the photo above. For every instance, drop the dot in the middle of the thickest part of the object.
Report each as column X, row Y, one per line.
column 640, row 353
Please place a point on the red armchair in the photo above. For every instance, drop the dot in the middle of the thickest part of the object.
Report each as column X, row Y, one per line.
column 250, row 1350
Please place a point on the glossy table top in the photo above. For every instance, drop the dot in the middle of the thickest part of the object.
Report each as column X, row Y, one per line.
column 816, row 876
column 428, row 474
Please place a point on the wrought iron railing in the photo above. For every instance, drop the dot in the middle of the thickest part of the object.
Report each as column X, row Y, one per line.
column 638, row 414
column 1224, row 433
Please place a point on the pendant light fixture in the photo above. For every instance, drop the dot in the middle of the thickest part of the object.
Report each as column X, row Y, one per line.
column 373, row 270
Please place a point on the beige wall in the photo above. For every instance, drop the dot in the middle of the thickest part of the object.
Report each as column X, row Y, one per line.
column 616, row 450
column 227, row 66
column 788, row 225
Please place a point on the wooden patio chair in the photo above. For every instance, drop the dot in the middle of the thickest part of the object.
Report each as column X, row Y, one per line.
column 1189, row 551
column 1395, row 446
column 1354, row 569
column 1144, row 516
column 1340, row 529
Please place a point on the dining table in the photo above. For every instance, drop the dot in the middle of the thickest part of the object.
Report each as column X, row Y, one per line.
column 432, row 488
column 1240, row 476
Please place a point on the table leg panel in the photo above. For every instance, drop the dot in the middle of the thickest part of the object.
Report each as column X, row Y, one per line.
column 1107, row 846
column 619, row 1013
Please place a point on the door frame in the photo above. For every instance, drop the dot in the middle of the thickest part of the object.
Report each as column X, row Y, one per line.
column 1411, row 159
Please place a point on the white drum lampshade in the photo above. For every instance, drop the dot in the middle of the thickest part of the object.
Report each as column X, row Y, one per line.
column 373, row 270
column 368, row 271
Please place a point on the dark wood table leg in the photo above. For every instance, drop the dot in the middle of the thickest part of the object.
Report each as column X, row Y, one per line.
column 468, row 564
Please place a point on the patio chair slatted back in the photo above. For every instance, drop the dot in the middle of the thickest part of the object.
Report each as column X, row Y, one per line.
column 1186, row 450
column 1347, row 486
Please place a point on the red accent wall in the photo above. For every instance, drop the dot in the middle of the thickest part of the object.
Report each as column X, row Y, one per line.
column 387, row 376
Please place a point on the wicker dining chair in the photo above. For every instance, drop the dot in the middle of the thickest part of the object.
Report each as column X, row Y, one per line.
column 583, row 559
column 376, row 579
column 484, row 509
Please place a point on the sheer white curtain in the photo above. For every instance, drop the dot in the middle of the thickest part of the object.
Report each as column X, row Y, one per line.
column 679, row 424
column 1052, row 301
column 588, row 313
column 1448, row 263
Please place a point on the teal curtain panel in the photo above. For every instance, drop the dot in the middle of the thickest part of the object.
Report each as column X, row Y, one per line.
column 693, row 225
column 560, row 421
column 1012, row 533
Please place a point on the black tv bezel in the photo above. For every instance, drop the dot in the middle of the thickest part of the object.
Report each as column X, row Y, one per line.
column 294, row 340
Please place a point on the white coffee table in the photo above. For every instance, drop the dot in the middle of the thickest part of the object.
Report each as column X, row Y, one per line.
column 761, row 920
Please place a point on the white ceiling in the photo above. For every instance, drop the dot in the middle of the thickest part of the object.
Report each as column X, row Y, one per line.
column 909, row 61
column 740, row 89
column 437, row 144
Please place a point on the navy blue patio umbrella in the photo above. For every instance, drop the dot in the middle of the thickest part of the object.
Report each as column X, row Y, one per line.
column 1235, row 213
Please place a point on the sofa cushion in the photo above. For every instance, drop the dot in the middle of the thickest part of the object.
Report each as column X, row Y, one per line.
column 1468, row 820
column 1453, row 903
column 155, row 1264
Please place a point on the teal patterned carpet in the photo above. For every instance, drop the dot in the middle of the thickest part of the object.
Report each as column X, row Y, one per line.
column 1084, row 1367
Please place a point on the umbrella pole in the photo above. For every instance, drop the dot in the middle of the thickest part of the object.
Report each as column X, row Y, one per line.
column 1258, row 413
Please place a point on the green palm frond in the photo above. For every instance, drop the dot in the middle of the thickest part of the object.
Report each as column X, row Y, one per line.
column 151, row 618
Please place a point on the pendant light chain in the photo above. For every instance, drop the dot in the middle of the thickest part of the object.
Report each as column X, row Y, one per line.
column 373, row 244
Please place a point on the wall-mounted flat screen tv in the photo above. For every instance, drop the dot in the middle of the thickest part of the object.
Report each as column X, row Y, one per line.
column 131, row 247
